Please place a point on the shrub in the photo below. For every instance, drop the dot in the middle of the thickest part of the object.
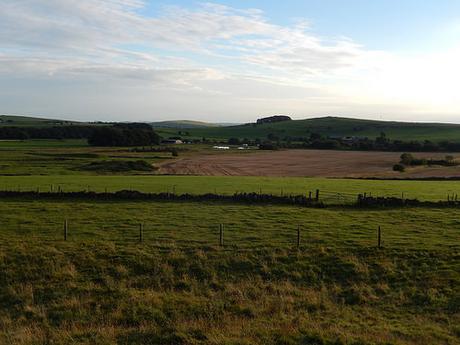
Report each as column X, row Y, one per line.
column 406, row 159
column 118, row 166
column 399, row 167
column 268, row 146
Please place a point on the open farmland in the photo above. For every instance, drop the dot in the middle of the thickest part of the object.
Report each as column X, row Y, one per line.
column 102, row 285
column 179, row 287
column 328, row 126
column 309, row 163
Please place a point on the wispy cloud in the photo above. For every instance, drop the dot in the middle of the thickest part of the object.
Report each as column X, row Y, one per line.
column 94, row 31
column 210, row 49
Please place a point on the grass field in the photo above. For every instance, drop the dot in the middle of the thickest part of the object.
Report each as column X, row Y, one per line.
column 102, row 286
column 63, row 157
column 423, row 190
column 185, row 224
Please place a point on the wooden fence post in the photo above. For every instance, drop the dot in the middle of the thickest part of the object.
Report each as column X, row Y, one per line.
column 221, row 235
column 298, row 236
column 65, row 229
column 141, row 232
column 379, row 237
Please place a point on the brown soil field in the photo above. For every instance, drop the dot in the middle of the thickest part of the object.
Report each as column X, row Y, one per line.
column 306, row 163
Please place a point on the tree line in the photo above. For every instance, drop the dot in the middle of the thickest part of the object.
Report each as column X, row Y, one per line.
column 129, row 134
column 61, row 132
column 132, row 134
column 320, row 142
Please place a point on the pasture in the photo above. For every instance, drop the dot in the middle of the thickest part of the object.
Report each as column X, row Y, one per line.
column 188, row 224
column 179, row 286
column 329, row 188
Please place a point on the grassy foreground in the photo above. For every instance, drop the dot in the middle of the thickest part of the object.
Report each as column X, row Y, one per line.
column 102, row 286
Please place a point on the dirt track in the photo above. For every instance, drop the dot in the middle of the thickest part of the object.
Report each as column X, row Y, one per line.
column 311, row 163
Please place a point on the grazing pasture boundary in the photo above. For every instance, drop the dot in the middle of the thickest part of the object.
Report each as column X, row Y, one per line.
column 316, row 200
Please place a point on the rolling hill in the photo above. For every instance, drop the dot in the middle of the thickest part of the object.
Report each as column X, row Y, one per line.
column 332, row 127
column 327, row 126
column 27, row 121
column 187, row 124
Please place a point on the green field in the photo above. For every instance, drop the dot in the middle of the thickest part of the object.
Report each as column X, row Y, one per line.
column 63, row 157
column 328, row 126
column 179, row 286
column 186, row 224
column 102, row 286
column 422, row 190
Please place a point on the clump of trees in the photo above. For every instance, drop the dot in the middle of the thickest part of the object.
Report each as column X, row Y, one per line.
column 408, row 159
column 124, row 135
column 273, row 119
column 268, row 146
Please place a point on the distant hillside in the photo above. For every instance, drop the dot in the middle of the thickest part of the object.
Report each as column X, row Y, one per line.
column 333, row 127
column 327, row 126
column 187, row 124
column 19, row 121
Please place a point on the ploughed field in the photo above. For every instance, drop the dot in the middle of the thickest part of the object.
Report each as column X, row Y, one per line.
column 178, row 286
column 308, row 163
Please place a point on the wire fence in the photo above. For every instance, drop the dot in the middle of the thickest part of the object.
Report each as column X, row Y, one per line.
column 234, row 235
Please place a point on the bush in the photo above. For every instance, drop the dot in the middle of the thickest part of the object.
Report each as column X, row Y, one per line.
column 118, row 166
column 268, row 146
column 399, row 167
column 406, row 159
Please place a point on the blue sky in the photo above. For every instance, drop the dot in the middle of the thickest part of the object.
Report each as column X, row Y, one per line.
column 230, row 61
column 402, row 25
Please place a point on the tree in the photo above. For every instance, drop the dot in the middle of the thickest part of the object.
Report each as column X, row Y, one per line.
column 407, row 159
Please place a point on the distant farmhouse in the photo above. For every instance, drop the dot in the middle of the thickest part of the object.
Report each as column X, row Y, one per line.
column 272, row 119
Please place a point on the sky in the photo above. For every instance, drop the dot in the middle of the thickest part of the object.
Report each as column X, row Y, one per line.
column 230, row 61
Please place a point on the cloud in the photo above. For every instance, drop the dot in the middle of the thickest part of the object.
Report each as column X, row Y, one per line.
column 95, row 30
column 208, row 56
